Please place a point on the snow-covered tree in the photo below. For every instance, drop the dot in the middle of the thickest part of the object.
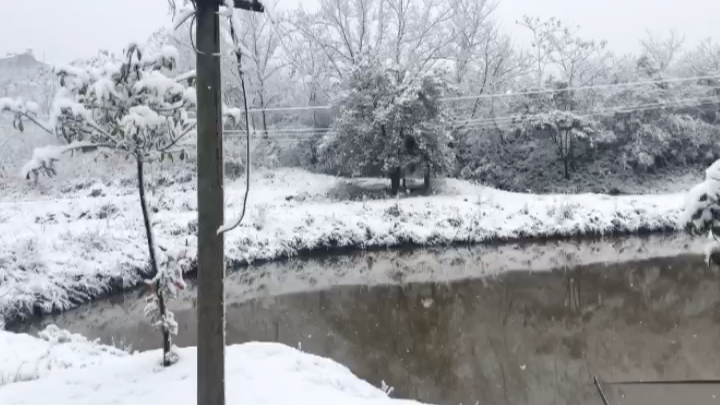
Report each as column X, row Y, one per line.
column 482, row 59
column 544, row 33
column 659, row 53
column 263, row 71
column 138, row 107
column 345, row 30
column 390, row 128
column 704, row 60
column 565, row 130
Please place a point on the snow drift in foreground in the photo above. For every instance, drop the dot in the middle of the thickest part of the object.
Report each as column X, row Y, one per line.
column 57, row 253
column 26, row 358
column 93, row 374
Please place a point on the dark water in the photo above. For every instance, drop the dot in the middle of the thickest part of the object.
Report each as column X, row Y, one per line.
column 442, row 327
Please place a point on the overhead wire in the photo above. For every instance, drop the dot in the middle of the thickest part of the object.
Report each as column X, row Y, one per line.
column 490, row 122
column 589, row 113
column 514, row 94
column 503, row 95
column 580, row 88
column 487, row 122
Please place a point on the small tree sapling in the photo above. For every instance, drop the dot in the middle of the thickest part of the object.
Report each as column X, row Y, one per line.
column 165, row 286
column 138, row 108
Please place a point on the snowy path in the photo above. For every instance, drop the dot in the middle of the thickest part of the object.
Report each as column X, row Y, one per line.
column 58, row 253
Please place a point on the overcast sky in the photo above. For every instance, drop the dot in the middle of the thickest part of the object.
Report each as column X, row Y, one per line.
column 61, row 31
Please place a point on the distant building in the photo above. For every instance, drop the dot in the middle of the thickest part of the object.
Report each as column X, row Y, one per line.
column 21, row 60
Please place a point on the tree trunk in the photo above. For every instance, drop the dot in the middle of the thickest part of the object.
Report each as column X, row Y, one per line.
column 395, row 180
column 565, row 165
column 313, row 97
column 314, row 158
column 264, row 115
column 427, row 180
column 167, row 343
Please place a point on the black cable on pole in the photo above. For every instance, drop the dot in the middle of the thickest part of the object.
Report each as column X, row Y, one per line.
column 238, row 56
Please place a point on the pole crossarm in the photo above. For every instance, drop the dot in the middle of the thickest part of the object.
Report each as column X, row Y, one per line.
column 249, row 5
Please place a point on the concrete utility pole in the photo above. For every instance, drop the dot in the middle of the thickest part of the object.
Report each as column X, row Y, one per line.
column 211, row 266
column 211, row 260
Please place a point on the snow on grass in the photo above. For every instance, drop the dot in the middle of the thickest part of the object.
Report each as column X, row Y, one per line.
column 57, row 253
column 254, row 371
column 26, row 358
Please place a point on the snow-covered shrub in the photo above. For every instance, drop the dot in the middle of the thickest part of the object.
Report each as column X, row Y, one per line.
column 647, row 144
column 701, row 214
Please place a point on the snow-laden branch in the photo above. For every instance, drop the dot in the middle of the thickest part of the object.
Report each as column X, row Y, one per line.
column 18, row 106
column 44, row 158
column 188, row 76
column 23, row 110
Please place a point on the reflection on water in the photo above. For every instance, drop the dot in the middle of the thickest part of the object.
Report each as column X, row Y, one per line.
column 517, row 338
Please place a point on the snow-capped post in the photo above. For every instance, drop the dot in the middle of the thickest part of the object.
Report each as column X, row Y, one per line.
column 211, row 266
column 138, row 108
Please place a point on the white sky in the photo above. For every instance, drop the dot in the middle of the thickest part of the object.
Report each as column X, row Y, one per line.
column 64, row 30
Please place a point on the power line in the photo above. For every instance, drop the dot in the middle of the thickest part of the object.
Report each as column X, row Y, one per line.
column 591, row 87
column 273, row 130
column 499, row 95
column 298, row 108
column 505, row 95
column 308, row 133
column 484, row 122
column 618, row 109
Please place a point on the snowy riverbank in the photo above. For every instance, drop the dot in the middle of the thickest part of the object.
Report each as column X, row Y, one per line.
column 65, row 369
column 58, row 252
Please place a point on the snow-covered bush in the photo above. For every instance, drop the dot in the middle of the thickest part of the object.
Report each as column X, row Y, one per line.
column 646, row 145
column 701, row 215
column 139, row 108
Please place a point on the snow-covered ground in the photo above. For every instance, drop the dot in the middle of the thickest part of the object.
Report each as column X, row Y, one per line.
column 61, row 250
column 63, row 369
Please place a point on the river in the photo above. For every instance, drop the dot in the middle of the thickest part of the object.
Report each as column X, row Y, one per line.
column 526, row 323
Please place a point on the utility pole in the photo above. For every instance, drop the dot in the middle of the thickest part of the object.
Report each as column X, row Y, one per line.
column 211, row 259
column 211, row 266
